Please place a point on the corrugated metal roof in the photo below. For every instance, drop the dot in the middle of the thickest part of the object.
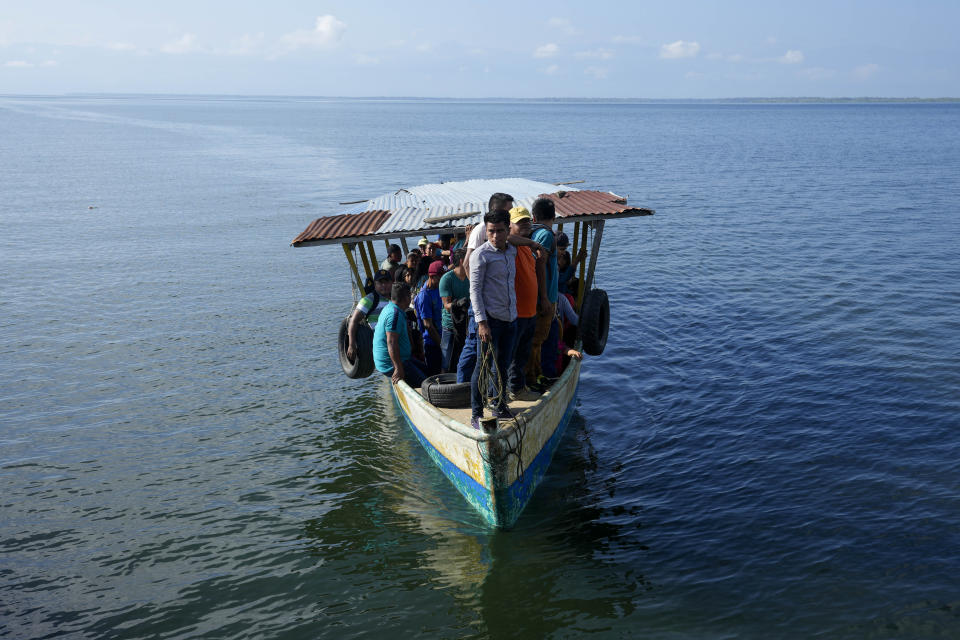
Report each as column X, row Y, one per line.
column 584, row 203
column 408, row 210
column 346, row 225
column 414, row 218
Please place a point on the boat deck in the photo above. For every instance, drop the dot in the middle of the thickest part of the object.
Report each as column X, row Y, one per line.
column 527, row 400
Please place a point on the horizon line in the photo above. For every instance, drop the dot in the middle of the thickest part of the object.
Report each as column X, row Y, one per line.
column 788, row 99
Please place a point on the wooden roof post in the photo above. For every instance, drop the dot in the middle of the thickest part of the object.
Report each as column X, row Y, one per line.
column 374, row 263
column 403, row 243
column 353, row 265
column 582, row 265
column 597, row 236
column 366, row 263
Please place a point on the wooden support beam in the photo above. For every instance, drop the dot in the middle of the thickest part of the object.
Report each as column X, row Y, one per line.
column 374, row 263
column 353, row 266
column 386, row 243
column 366, row 263
column 576, row 239
column 594, row 251
column 582, row 266
column 403, row 243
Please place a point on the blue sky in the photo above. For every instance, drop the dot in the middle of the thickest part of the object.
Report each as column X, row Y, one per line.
column 492, row 49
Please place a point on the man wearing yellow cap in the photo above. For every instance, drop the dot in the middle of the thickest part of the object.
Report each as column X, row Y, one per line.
column 526, row 287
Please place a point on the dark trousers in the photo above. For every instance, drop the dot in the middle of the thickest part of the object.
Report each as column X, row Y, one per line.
column 548, row 351
column 413, row 373
column 468, row 356
column 450, row 348
column 434, row 357
column 521, row 352
column 502, row 344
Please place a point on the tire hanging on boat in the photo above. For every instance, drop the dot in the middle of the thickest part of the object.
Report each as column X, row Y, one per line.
column 595, row 321
column 443, row 390
column 362, row 366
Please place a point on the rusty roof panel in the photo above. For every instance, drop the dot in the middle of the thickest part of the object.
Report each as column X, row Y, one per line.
column 584, row 203
column 345, row 225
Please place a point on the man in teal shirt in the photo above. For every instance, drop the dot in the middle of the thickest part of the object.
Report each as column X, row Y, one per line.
column 391, row 341
column 454, row 285
column 544, row 349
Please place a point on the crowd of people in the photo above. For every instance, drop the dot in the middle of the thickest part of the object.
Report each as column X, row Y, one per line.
column 493, row 305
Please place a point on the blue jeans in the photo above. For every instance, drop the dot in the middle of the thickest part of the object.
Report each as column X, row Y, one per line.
column 413, row 373
column 502, row 342
column 468, row 356
column 521, row 352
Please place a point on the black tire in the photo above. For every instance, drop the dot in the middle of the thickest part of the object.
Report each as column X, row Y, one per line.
column 362, row 367
column 595, row 321
column 443, row 390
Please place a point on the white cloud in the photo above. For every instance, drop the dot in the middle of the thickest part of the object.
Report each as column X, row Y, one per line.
column 563, row 25
column 187, row 43
column 866, row 71
column 546, row 51
column 20, row 64
column 365, row 60
column 597, row 72
column 771, row 40
column 424, row 47
column 629, row 39
column 552, row 70
column 792, row 57
column 818, row 73
column 679, row 49
column 120, row 46
column 48, row 63
column 326, row 33
column 597, row 54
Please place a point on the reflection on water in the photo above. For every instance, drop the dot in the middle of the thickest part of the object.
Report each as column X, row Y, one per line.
column 570, row 560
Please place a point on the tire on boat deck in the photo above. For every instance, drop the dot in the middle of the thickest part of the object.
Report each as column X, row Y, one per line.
column 362, row 366
column 443, row 390
column 595, row 321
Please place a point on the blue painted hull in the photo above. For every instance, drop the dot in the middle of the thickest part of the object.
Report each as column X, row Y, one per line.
column 488, row 477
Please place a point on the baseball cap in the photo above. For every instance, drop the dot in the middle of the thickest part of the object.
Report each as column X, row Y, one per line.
column 518, row 213
column 435, row 268
column 382, row 274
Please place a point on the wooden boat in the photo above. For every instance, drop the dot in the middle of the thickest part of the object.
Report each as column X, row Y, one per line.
column 497, row 469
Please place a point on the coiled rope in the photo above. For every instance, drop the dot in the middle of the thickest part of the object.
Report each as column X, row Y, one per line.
column 492, row 377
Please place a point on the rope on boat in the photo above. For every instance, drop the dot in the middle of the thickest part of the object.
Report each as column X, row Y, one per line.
column 492, row 377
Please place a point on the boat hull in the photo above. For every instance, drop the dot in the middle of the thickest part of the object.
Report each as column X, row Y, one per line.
column 496, row 473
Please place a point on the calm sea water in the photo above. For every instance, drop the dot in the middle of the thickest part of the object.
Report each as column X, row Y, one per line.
column 768, row 447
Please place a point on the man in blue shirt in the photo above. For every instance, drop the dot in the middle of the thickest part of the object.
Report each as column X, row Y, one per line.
column 391, row 340
column 493, row 301
column 429, row 308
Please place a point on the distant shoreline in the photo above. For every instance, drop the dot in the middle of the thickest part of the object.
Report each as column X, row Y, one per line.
column 756, row 100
